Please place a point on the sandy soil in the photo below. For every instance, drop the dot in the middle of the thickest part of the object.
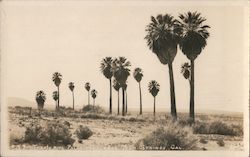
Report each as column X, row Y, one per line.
column 114, row 134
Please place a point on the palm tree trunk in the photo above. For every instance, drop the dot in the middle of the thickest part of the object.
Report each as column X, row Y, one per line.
column 88, row 98
column 110, row 98
column 73, row 100
column 123, row 102
column 172, row 92
column 154, row 106
column 118, row 103
column 191, row 112
column 58, row 97
column 56, row 104
column 126, row 102
column 140, row 98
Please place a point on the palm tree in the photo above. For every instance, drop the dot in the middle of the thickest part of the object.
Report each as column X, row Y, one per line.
column 126, row 98
column 106, row 69
column 162, row 38
column 55, row 97
column 94, row 95
column 57, row 78
column 121, row 72
column 87, row 87
column 40, row 99
column 117, row 87
column 193, row 39
column 138, row 76
column 71, row 87
column 154, row 88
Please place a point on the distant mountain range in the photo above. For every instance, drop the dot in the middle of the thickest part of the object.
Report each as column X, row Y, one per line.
column 14, row 101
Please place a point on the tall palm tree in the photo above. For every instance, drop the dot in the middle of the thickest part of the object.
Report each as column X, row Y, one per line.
column 71, row 87
column 121, row 72
column 117, row 87
column 40, row 99
column 138, row 74
column 106, row 69
column 55, row 97
column 57, row 78
column 154, row 88
column 87, row 87
column 192, row 40
column 94, row 95
column 162, row 38
column 126, row 98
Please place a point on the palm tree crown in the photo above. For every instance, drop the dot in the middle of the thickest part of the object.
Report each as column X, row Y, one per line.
column 162, row 37
column 153, row 87
column 121, row 70
column 186, row 70
column 93, row 93
column 71, row 86
column 40, row 99
column 40, row 96
column 87, row 86
column 138, row 74
column 106, row 67
column 193, row 34
column 57, row 78
column 55, row 95
column 116, row 85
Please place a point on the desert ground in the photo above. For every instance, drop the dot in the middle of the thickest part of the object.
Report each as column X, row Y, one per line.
column 113, row 132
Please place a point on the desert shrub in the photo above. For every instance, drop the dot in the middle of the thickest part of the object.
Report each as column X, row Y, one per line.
column 170, row 138
column 83, row 132
column 33, row 134
column 94, row 116
column 93, row 109
column 185, row 122
column 57, row 134
column 217, row 127
column 200, row 128
column 238, row 129
column 52, row 134
column 132, row 119
column 22, row 110
column 66, row 123
column 221, row 142
column 203, row 140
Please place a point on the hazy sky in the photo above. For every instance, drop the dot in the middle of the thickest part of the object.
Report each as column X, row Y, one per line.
column 41, row 38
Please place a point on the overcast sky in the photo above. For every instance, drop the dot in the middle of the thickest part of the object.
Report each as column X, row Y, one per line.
column 40, row 38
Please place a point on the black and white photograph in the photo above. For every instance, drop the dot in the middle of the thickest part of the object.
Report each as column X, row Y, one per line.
column 124, row 78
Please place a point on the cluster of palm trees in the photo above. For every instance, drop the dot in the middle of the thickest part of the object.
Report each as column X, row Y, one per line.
column 119, row 69
column 165, row 34
column 57, row 79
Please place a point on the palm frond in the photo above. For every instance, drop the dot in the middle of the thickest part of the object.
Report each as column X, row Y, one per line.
column 55, row 95
column 154, row 87
column 193, row 34
column 106, row 67
column 87, row 86
column 40, row 95
column 138, row 74
column 162, row 37
column 56, row 75
column 71, row 86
